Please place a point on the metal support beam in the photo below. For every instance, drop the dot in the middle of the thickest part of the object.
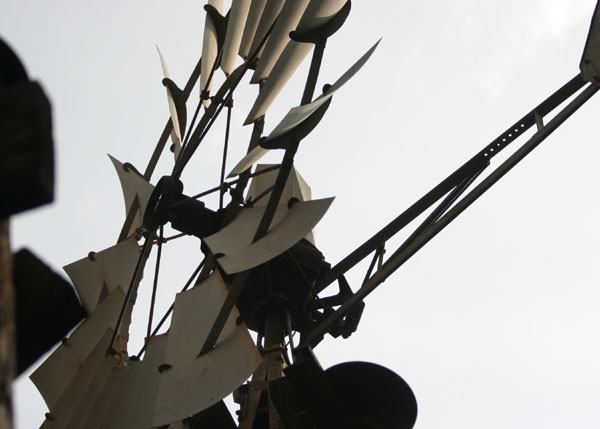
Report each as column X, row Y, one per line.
column 475, row 164
column 315, row 336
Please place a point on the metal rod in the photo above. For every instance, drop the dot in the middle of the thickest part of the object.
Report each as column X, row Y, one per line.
column 372, row 264
column 168, row 312
column 438, row 211
column 155, row 283
column 229, row 85
column 288, row 158
column 224, row 163
column 475, row 164
column 160, row 145
column 261, row 195
column 208, row 118
column 135, row 278
column 169, row 126
column 191, row 126
column 282, row 177
column 232, row 297
column 233, row 182
column 240, row 278
column 394, row 263
column 313, row 73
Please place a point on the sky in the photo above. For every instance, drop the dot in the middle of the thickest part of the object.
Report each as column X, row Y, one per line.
column 494, row 322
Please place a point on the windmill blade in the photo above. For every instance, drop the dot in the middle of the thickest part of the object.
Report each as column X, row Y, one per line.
column 233, row 36
column 93, row 392
column 248, row 161
column 290, row 59
column 590, row 60
column 317, row 13
column 210, row 50
column 350, row 73
column 188, row 383
column 270, row 14
column 289, row 225
column 288, row 20
column 177, row 131
column 296, row 116
column 66, row 405
column 257, row 8
column 293, row 121
column 135, row 188
column 295, row 188
column 54, row 375
column 129, row 398
column 98, row 274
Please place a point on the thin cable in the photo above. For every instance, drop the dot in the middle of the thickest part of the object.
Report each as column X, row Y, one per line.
column 155, row 285
column 233, row 182
column 189, row 131
column 224, row 163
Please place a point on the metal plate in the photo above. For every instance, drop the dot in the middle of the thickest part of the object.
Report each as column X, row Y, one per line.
column 254, row 16
column 290, row 59
column 73, row 394
column 349, row 74
column 292, row 56
column 280, row 36
column 297, row 115
column 54, row 375
column 209, row 49
column 287, row 228
column 131, row 398
column 192, row 383
column 109, row 269
column 176, row 131
column 272, row 10
column 233, row 37
column 134, row 186
column 248, row 161
column 295, row 187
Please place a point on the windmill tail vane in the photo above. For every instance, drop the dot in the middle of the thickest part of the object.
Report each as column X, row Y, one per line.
column 263, row 297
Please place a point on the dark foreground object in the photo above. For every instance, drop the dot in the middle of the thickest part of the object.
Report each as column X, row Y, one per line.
column 47, row 308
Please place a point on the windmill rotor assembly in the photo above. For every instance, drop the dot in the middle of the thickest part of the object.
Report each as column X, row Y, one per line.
column 255, row 308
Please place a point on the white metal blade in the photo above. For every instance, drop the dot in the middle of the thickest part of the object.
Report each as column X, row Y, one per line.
column 134, row 186
column 272, row 10
column 289, row 225
column 317, row 13
column 54, row 375
column 209, row 49
column 176, row 137
column 130, row 399
column 248, row 161
column 194, row 383
column 289, row 18
column 295, row 187
column 70, row 398
column 233, row 37
column 111, row 268
column 254, row 16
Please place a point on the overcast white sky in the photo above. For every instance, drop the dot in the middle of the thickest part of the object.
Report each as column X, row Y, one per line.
column 494, row 323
